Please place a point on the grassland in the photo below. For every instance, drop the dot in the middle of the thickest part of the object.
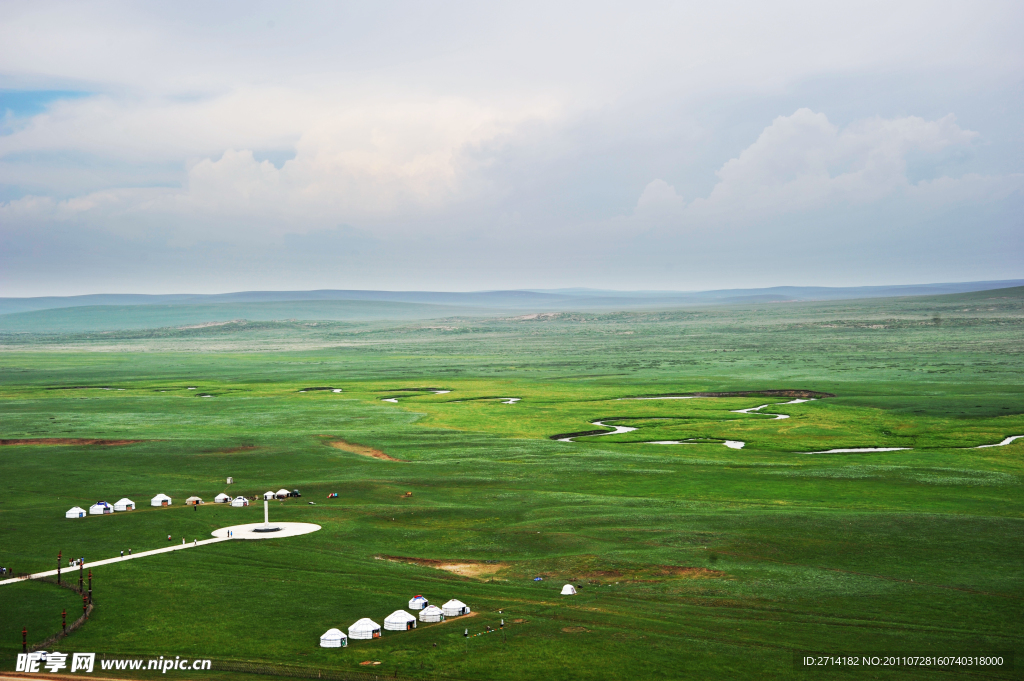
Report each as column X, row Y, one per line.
column 694, row 560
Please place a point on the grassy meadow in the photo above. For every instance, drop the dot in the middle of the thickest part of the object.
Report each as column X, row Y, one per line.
column 694, row 560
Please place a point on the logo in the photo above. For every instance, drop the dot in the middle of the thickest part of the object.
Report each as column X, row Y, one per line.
column 54, row 662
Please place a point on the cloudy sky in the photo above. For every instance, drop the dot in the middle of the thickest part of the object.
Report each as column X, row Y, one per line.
column 208, row 147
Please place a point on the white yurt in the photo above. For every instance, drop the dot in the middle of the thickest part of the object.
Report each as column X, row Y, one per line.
column 431, row 613
column 268, row 496
column 568, row 590
column 193, row 501
column 222, row 498
column 418, row 602
column 454, row 608
column 399, row 620
column 364, row 628
column 283, row 493
column 124, row 504
column 100, row 507
column 333, row 638
column 239, row 502
column 160, row 500
column 75, row 512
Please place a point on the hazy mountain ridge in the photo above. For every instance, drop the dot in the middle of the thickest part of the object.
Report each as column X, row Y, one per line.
column 580, row 298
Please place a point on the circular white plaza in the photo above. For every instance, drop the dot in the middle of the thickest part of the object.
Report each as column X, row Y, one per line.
column 257, row 531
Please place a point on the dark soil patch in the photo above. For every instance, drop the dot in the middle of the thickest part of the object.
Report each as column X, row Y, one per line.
column 81, row 387
column 580, row 433
column 465, row 568
column 308, row 390
column 66, row 441
column 362, row 450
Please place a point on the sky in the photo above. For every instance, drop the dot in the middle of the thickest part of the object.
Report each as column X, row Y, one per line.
column 156, row 147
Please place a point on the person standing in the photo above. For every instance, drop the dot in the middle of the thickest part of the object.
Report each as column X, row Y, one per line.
column 122, row 553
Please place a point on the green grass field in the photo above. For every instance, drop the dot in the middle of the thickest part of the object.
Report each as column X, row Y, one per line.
column 694, row 560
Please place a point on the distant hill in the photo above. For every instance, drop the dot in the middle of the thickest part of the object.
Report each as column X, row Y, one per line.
column 540, row 299
column 117, row 312
column 94, row 318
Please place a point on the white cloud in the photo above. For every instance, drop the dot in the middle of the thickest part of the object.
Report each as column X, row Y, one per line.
column 490, row 133
column 802, row 163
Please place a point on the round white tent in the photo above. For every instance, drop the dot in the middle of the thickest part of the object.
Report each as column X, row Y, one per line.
column 268, row 496
column 222, row 498
column 454, row 608
column 193, row 501
column 418, row 602
column 100, row 507
column 431, row 613
column 75, row 512
column 124, row 504
column 364, row 628
column 283, row 493
column 239, row 502
column 399, row 620
column 568, row 590
column 160, row 500
column 333, row 638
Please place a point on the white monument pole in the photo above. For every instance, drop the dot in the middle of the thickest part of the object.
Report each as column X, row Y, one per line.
column 266, row 515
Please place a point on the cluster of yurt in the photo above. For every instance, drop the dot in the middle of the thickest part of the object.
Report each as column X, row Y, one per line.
column 399, row 620
column 101, row 508
column 280, row 494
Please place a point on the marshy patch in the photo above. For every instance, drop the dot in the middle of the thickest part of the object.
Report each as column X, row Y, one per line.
column 362, row 450
column 793, row 394
column 477, row 569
